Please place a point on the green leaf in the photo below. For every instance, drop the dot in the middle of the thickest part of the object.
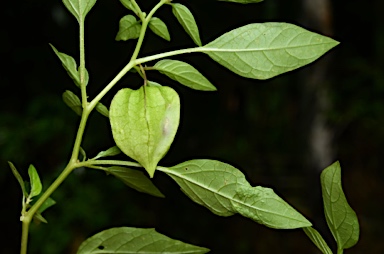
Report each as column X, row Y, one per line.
column 187, row 21
column 341, row 219
column 18, row 178
column 36, row 186
column 136, row 180
column 73, row 102
column 39, row 217
column 110, row 152
column 69, row 65
column 126, row 240
column 128, row 4
column 86, row 76
column 47, row 204
column 144, row 123
column 159, row 28
column 102, row 109
column 152, row 83
column 242, row 1
column 79, row 8
column 317, row 239
column 265, row 207
column 83, row 153
column 129, row 28
column 185, row 74
column 262, row 51
column 224, row 190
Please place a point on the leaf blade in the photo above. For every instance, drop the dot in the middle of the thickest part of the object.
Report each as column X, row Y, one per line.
column 128, row 4
column 136, row 180
column 36, row 186
column 129, row 28
column 109, row 152
column 265, row 207
column 79, row 8
column 159, row 28
column 340, row 217
column 18, row 178
column 224, row 190
column 69, row 65
column 187, row 21
column 135, row 240
column 185, row 74
column 265, row 50
column 317, row 239
column 102, row 109
column 72, row 101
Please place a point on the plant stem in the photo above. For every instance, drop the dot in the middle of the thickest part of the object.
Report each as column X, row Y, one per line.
column 109, row 162
column 82, row 66
column 87, row 109
column 24, row 236
column 27, row 218
column 170, row 53
column 133, row 61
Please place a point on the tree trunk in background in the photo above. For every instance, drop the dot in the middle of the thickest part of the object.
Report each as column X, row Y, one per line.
column 316, row 101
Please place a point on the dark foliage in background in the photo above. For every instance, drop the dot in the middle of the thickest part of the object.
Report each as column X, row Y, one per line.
column 255, row 125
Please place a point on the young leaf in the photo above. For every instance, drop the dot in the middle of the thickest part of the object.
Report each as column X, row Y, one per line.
column 128, row 4
column 265, row 207
column 224, row 190
column 86, row 76
column 69, row 65
column 144, row 123
column 185, row 74
column 39, row 217
column 36, row 186
column 129, row 28
column 79, row 8
column 152, row 83
column 136, row 180
column 318, row 240
column 83, row 153
column 243, row 1
column 262, row 51
column 18, row 178
column 187, row 21
column 110, row 152
column 47, row 204
column 159, row 28
column 341, row 219
column 102, row 109
column 127, row 240
column 73, row 102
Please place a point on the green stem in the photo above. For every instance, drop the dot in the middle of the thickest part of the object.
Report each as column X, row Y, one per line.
column 27, row 216
column 340, row 251
column 90, row 163
column 24, row 236
column 87, row 109
column 82, row 67
column 170, row 53
column 106, row 89
column 133, row 61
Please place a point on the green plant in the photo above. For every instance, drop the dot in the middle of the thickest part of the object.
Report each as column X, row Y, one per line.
column 144, row 123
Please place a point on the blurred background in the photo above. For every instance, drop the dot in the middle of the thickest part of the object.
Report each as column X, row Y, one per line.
column 279, row 132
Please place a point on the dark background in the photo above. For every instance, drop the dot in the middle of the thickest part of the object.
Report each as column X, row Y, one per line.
column 264, row 128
